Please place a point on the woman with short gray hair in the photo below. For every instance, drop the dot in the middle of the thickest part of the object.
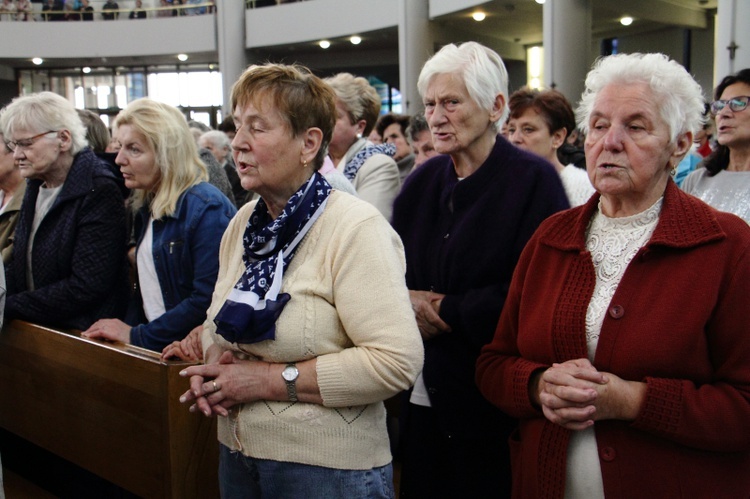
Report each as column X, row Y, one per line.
column 68, row 265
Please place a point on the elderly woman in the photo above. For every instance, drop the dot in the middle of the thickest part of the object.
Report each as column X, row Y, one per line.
column 464, row 217
column 724, row 183
column 370, row 168
column 12, row 190
column 540, row 122
column 179, row 221
column 310, row 327
column 626, row 385
column 68, row 265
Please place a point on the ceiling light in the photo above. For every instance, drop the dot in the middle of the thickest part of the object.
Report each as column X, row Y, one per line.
column 324, row 44
column 540, row 2
column 626, row 21
column 182, row 57
column 479, row 16
column 37, row 60
column 355, row 40
column 86, row 70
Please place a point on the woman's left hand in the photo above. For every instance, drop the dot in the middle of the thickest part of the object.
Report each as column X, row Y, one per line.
column 215, row 388
column 109, row 329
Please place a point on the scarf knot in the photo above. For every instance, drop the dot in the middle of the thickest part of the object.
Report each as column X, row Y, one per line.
column 250, row 312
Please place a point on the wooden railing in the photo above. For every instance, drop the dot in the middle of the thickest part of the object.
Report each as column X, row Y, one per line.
column 112, row 409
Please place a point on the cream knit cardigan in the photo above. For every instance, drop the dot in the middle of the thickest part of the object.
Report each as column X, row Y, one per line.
column 349, row 308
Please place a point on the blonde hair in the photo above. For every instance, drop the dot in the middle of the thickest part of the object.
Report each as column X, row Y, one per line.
column 176, row 155
column 360, row 98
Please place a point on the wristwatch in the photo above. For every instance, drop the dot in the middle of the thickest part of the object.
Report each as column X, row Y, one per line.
column 290, row 375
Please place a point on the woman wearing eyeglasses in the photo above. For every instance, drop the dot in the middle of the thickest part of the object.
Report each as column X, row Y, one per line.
column 725, row 181
column 67, row 267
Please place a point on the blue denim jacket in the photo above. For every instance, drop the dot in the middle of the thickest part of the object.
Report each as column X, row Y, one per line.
column 186, row 257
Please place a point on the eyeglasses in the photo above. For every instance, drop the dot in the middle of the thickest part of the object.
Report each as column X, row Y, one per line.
column 26, row 143
column 736, row 104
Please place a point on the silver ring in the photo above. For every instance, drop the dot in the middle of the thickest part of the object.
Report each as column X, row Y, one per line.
column 216, row 387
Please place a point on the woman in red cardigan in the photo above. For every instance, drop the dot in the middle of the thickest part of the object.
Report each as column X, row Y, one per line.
column 623, row 345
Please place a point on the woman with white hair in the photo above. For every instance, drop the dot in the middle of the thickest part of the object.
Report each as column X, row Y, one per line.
column 179, row 221
column 67, row 267
column 622, row 347
column 464, row 217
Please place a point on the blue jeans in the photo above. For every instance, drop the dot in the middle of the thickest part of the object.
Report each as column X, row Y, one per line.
column 249, row 478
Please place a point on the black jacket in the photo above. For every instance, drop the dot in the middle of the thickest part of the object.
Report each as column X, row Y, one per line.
column 78, row 256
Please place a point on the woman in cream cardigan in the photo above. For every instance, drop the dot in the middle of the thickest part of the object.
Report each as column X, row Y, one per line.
column 310, row 327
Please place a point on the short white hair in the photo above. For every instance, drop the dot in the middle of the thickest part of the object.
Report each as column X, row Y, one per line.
column 44, row 111
column 218, row 139
column 481, row 69
column 678, row 96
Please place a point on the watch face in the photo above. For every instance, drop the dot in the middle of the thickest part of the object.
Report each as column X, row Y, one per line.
column 290, row 373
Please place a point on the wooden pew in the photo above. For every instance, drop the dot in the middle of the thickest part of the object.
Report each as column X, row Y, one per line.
column 112, row 409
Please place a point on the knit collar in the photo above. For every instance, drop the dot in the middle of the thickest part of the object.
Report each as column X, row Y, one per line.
column 684, row 222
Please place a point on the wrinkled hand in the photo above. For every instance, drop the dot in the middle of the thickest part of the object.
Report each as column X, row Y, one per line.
column 109, row 329
column 567, row 393
column 574, row 395
column 426, row 306
column 216, row 387
column 190, row 348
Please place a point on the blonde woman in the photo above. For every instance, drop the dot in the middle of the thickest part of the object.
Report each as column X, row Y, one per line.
column 179, row 221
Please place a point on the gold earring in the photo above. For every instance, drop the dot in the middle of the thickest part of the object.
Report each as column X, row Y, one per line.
column 304, row 163
column 673, row 172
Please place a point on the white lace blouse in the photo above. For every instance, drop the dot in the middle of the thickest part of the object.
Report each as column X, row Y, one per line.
column 612, row 242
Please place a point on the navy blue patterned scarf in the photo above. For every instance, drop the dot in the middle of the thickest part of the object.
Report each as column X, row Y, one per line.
column 252, row 307
column 354, row 164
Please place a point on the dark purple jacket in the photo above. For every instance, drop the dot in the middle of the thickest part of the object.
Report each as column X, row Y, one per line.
column 463, row 239
column 78, row 260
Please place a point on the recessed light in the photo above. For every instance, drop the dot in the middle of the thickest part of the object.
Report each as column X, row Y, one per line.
column 37, row 60
column 355, row 40
column 540, row 2
column 324, row 44
column 626, row 21
column 182, row 57
column 479, row 16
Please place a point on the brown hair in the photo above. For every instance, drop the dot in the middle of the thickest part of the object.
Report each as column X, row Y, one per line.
column 301, row 98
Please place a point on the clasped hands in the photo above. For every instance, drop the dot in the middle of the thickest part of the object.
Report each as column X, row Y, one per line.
column 218, row 386
column 574, row 394
column 426, row 306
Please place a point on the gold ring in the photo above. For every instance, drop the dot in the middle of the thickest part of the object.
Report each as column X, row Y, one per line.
column 216, row 387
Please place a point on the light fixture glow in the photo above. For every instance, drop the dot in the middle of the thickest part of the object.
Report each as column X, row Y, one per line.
column 324, row 44
column 355, row 40
column 182, row 57
column 37, row 60
column 626, row 21
column 86, row 70
column 478, row 16
column 540, row 2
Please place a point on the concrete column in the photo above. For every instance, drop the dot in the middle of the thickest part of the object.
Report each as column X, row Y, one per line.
column 732, row 38
column 567, row 43
column 414, row 48
column 230, row 30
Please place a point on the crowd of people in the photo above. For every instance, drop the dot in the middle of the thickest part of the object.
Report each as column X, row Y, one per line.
column 82, row 10
column 554, row 315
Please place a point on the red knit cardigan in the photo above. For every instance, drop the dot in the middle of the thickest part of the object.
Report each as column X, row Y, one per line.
column 678, row 321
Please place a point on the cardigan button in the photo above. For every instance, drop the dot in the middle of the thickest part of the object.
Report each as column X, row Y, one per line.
column 432, row 391
column 608, row 454
column 616, row 311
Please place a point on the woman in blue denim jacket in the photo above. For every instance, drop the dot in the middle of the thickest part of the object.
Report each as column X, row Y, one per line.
column 178, row 225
